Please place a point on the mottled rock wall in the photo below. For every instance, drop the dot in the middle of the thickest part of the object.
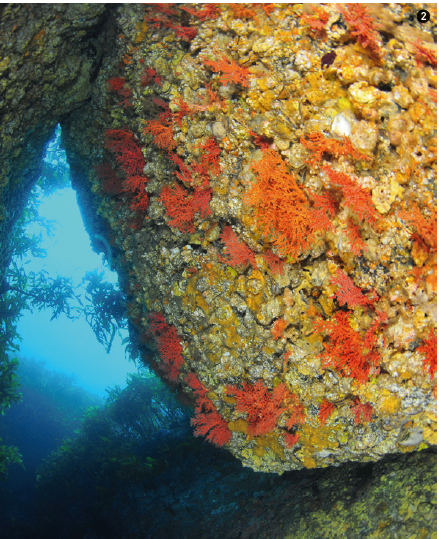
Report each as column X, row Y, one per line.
column 267, row 182
column 50, row 55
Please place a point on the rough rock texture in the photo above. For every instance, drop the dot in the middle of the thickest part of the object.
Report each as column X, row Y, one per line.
column 211, row 496
column 50, row 55
column 280, row 214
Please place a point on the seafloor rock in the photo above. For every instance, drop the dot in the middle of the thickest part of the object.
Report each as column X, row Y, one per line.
column 266, row 177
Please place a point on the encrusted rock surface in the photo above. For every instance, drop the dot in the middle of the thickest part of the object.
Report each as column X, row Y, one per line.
column 345, row 152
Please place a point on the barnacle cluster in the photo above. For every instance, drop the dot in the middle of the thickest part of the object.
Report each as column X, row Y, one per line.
column 354, row 137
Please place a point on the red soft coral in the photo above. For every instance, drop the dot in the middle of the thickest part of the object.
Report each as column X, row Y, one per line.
column 207, row 421
column 316, row 21
column 325, row 410
column 209, row 159
column 125, row 150
column 429, row 349
column 348, row 293
column 184, row 109
column 162, row 132
column 200, row 391
column 347, row 351
column 263, row 408
column 291, row 439
column 168, row 345
column 356, row 242
column 240, row 254
column 136, row 186
column 208, row 11
column 325, row 208
column 425, row 227
column 319, row 145
column 231, row 71
column 259, row 140
column 213, row 426
column 243, row 11
column 423, row 54
column 164, row 16
column 280, row 205
column 363, row 27
column 362, row 412
column 198, row 173
column 357, row 198
column 149, row 76
column 275, row 264
column 116, row 83
column 182, row 206
column 297, row 411
column 278, row 328
column 130, row 158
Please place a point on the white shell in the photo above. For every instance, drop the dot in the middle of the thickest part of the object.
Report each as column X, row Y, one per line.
column 341, row 126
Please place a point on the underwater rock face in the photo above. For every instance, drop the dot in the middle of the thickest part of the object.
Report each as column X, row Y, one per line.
column 274, row 215
column 49, row 57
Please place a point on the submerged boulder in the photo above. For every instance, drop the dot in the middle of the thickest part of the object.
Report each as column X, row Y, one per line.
column 271, row 209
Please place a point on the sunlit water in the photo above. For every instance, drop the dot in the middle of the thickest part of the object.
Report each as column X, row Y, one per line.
column 67, row 345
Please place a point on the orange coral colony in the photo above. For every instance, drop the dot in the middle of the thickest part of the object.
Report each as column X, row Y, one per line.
column 288, row 221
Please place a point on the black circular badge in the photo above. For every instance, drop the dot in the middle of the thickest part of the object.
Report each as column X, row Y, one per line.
column 423, row 16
